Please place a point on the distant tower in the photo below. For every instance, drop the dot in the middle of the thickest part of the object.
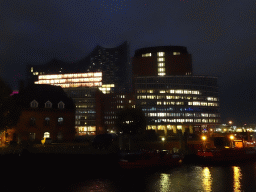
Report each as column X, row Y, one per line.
column 162, row 61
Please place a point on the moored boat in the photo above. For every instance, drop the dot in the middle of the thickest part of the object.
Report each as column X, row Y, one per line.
column 226, row 155
column 149, row 159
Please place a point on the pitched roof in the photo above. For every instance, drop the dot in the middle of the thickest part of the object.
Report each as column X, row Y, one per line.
column 42, row 94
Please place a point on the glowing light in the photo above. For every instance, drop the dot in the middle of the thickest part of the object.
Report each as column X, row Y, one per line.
column 72, row 80
column 204, row 138
column 237, row 178
column 207, row 179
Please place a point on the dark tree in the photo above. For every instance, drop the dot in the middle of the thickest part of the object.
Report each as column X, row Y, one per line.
column 9, row 110
column 131, row 121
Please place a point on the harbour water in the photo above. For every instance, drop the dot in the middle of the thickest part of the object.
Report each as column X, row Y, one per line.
column 191, row 178
column 77, row 174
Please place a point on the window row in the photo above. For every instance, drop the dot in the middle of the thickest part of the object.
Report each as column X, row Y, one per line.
column 185, row 120
column 175, row 91
column 33, row 121
column 85, row 106
column 196, row 103
column 87, row 128
column 165, row 97
column 48, row 104
column 181, row 114
column 159, row 54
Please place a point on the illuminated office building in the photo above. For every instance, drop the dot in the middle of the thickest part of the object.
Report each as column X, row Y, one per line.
column 84, row 89
column 89, row 114
column 170, row 96
column 72, row 80
column 113, row 63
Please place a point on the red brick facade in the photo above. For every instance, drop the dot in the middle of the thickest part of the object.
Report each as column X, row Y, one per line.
column 26, row 130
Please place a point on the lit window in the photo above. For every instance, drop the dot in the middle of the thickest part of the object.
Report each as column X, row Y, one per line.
column 34, row 104
column 46, row 135
column 169, row 97
column 161, row 69
column 204, row 114
column 160, row 59
column 179, row 91
column 160, row 54
column 161, row 114
column 31, row 69
column 195, row 92
column 203, row 103
column 161, row 64
column 146, row 55
column 176, row 53
column 48, row 104
column 189, row 114
column 196, row 103
column 187, row 92
column 161, row 74
column 60, row 120
column 211, row 120
column 204, row 120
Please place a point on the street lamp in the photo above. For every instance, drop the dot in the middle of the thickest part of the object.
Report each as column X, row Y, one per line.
column 163, row 139
column 204, row 139
column 231, row 139
column 230, row 123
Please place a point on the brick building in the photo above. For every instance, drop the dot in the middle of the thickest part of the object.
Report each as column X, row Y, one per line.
column 45, row 111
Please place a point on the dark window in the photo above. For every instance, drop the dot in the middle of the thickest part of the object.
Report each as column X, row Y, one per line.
column 61, row 105
column 47, row 121
column 32, row 121
column 34, row 104
column 48, row 104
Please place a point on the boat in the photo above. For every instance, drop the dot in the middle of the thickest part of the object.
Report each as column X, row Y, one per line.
column 226, row 155
column 149, row 159
column 236, row 150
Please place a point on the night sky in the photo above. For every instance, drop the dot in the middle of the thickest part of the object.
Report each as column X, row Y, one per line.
column 220, row 35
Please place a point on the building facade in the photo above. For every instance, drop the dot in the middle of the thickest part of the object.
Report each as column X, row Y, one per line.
column 89, row 113
column 113, row 63
column 162, row 61
column 45, row 111
column 178, row 102
column 170, row 96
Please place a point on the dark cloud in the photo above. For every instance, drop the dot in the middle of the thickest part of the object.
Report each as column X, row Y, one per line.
column 220, row 35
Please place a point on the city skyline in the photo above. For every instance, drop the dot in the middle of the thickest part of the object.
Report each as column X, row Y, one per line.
column 220, row 36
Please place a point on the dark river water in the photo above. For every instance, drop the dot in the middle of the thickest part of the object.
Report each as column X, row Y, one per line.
column 184, row 178
column 67, row 174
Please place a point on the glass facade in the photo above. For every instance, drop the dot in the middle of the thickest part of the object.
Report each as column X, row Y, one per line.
column 85, row 117
column 178, row 100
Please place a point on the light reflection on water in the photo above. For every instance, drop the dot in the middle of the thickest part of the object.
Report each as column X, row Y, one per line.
column 237, row 178
column 207, row 179
column 185, row 178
